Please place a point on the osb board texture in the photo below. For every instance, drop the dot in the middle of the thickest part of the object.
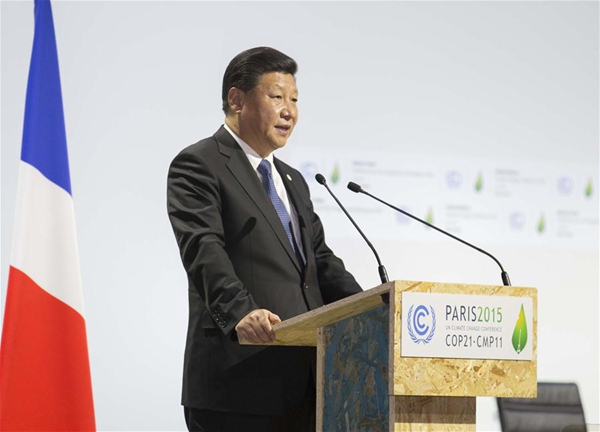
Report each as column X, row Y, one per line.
column 302, row 330
column 426, row 413
column 355, row 361
column 460, row 377
column 320, row 377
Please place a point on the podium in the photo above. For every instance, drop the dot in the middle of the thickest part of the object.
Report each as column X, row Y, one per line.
column 365, row 383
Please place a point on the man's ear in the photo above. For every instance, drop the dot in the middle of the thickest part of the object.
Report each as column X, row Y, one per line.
column 235, row 98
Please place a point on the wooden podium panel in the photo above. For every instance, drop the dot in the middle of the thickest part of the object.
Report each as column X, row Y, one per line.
column 429, row 413
column 461, row 377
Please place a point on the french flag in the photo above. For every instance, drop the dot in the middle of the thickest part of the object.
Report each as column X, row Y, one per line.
column 45, row 382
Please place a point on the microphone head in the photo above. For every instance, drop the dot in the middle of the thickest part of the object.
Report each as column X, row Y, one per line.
column 354, row 187
column 320, row 179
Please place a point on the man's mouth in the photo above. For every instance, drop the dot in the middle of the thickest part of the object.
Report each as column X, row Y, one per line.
column 283, row 129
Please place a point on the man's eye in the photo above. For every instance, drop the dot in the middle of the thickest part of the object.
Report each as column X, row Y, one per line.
column 295, row 100
column 276, row 97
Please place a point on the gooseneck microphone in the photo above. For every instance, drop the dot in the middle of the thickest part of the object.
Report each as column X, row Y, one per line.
column 382, row 271
column 356, row 188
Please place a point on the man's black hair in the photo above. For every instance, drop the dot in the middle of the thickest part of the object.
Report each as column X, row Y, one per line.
column 246, row 68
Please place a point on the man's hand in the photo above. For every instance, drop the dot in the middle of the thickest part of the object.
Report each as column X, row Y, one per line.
column 257, row 327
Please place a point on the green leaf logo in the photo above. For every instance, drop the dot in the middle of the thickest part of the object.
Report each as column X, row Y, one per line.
column 335, row 176
column 541, row 226
column 589, row 189
column 479, row 183
column 429, row 216
column 519, row 338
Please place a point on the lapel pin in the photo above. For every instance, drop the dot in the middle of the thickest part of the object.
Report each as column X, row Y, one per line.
column 289, row 177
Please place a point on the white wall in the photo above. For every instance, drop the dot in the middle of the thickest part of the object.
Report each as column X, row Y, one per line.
column 478, row 86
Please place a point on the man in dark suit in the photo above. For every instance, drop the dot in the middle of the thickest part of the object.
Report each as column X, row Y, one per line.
column 255, row 254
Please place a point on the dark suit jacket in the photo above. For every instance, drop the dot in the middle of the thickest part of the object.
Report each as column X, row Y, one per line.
column 238, row 258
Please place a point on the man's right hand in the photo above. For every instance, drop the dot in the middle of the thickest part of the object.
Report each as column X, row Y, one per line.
column 257, row 327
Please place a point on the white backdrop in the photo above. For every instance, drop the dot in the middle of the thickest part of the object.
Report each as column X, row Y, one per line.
column 495, row 89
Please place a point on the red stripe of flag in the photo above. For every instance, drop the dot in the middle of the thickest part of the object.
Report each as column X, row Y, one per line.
column 44, row 346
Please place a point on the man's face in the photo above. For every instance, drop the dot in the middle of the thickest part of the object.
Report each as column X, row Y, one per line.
column 269, row 113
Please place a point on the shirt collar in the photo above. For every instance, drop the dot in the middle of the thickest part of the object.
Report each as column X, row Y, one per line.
column 254, row 158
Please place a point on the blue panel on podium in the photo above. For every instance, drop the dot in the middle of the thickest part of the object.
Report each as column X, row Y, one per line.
column 356, row 366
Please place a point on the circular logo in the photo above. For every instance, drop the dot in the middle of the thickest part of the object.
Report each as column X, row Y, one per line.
column 565, row 185
column 402, row 219
column 421, row 324
column 309, row 169
column 453, row 179
column 517, row 221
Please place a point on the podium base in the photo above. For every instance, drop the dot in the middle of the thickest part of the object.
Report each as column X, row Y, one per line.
column 429, row 413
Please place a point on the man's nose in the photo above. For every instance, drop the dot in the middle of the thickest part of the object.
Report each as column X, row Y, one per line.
column 289, row 111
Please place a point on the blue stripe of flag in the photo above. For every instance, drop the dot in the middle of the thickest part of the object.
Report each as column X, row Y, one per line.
column 44, row 137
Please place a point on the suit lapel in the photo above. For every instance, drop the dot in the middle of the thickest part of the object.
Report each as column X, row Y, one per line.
column 240, row 168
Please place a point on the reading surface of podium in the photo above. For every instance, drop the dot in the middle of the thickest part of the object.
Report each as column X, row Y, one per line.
column 365, row 384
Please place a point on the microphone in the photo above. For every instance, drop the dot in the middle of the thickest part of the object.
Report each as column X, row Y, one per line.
column 356, row 188
column 382, row 271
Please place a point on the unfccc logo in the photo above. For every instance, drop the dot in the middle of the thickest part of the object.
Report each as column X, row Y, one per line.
column 421, row 324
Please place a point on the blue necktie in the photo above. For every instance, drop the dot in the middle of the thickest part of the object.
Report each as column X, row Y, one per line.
column 264, row 168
